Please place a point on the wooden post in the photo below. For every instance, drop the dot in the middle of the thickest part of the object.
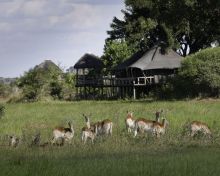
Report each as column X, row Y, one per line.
column 134, row 90
column 77, row 93
column 134, row 93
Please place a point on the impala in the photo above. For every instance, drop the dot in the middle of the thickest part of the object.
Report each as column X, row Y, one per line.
column 129, row 122
column 150, row 126
column 104, row 127
column 63, row 133
column 196, row 126
column 88, row 133
column 159, row 128
column 158, row 115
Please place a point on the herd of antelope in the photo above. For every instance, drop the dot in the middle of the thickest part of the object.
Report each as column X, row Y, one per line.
column 90, row 131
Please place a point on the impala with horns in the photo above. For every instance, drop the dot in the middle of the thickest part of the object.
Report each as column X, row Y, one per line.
column 104, row 127
column 63, row 133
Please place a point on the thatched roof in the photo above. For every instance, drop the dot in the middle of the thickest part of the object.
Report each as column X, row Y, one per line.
column 152, row 59
column 47, row 65
column 89, row 61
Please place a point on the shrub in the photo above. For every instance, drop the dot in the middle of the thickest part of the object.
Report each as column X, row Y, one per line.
column 200, row 74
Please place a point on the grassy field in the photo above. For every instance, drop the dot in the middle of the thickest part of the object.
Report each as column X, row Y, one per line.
column 121, row 154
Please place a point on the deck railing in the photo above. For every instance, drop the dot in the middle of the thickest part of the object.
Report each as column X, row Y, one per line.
column 113, row 81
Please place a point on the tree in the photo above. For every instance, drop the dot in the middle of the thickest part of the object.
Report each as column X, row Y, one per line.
column 43, row 80
column 115, row 52
column 183, row 24
column 46, row 80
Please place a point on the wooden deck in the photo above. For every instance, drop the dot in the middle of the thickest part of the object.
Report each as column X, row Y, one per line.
column 82, row 81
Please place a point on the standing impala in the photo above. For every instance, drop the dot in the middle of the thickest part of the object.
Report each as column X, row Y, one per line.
column 158, row 115
column 159, row 128
column 143, row 125
column 150, row 126
column 129, row 122
column 196, row 126
column 63, row 133
column 88, row 133
column 104, row 127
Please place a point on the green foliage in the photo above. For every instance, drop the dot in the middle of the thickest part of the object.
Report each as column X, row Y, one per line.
column 200, row 73
column 2, row 111
column 56, row 89
column 39, row 83
column 173, row 24
column 115, row 52
column 6, row 90
column 3, row 90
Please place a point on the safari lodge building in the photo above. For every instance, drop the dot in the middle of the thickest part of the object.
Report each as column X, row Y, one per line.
column 132, row 78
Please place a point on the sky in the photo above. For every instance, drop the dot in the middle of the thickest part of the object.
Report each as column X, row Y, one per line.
column 32, row 31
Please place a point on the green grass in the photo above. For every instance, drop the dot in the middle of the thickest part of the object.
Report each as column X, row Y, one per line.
column 120, row 154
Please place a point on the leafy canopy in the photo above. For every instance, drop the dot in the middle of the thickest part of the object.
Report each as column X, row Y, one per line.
column 115, row 52
column 186, row 24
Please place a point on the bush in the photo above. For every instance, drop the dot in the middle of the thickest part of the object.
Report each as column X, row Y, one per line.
column 200, row 74
column 5, row 90
column 2, row 111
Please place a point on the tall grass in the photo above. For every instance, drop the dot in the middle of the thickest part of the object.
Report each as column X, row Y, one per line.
column 120, row 154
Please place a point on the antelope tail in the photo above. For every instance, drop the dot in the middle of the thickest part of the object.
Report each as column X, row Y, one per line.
column 110, row 130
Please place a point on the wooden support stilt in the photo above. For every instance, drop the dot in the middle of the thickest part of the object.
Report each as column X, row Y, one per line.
column 134, row 93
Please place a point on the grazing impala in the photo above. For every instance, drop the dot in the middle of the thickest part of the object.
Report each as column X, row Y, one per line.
column 129, row 122
column 103, row 127
column 63, row 133
column 195, row 127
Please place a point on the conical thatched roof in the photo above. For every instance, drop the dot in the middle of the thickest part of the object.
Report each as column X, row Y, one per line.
column 152, row 59
column 47, row 65
column 89, row 61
